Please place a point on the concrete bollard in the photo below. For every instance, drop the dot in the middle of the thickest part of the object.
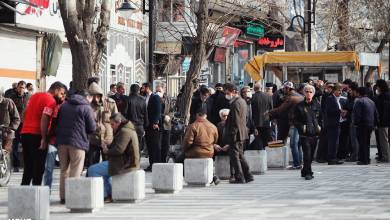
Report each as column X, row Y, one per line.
column 129, row 186
column 84, row 194
column 198, row 172
column 28, row 202
column 257, row 161
column 277, row 157
column 222, row 167
column 167, row 177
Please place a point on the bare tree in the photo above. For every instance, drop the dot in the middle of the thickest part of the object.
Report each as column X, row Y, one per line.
column 86, row 24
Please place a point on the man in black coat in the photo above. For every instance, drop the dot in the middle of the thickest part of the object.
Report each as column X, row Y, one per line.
column 334, row 116
column 153, row 130
column 137, row 113
column 365, row 119
column 382, row 103
column 218, row 102
column 261, row 103
column 236, row 134
column 200, row 101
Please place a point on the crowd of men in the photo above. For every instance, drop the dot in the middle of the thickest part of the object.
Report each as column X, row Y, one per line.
column 107, row 134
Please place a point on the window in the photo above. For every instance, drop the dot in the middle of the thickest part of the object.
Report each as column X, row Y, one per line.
column 138, row 49
column 113, row 74
column 143, row 55
column 178, row 10
column 171, row 10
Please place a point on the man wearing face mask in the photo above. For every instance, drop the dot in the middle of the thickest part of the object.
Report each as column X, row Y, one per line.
column 218, row 102
column 35, row 129
column 166, row 116
column 200, row 102
column 103, row 107
column 236, row 134
column 246, row 94
column 261, row 103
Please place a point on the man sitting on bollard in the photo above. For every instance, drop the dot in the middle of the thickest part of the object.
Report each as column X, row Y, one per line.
column 123, row 154
column 200, row 140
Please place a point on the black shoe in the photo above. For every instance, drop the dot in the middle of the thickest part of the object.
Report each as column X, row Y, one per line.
column 309, row 177
column 16, row 169
column 336, row 162
column 237, row 181
column 350, row 160
column 249, row 179
column 108, row 199
column 321, row 161
column 148, row 169
column 361, row 163
column 62, row 201
column 216, row 180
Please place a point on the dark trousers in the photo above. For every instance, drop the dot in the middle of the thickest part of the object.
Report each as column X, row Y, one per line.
column 322, row 151
column 333, row 142
column 308, row 147
column 93, row 155
column 153, row 143
column 165, row 143
column 15, row 147
column 378, row 144
column 342, row 150
column 238, row 161
column 364, row 135
column 283, row 129
column 262, row 139
column 34, row 159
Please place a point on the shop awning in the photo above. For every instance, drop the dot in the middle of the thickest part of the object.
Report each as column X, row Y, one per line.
column 257, row 64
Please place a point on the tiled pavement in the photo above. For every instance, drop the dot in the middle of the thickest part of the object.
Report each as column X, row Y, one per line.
column 347, row 192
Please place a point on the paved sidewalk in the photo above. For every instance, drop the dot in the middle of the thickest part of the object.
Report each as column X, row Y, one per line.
column 337, row 192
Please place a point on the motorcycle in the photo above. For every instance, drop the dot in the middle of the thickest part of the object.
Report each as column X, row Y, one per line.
column 5, row 158
column 177, row 134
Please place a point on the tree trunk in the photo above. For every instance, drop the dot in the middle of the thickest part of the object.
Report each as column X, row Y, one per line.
column 379, row 49
column 343, row 26
column 198, row 59
column 86, row 44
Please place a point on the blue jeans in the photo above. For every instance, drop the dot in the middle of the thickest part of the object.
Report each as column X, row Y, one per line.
column 296, row 147
column 49, row 165
column 101, row 170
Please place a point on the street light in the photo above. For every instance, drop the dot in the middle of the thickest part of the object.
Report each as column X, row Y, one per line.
column 126, row 6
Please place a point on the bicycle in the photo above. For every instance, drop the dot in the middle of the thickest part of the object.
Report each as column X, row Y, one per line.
column 5, row 158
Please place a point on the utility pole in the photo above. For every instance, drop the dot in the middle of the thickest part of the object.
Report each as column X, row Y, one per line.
column 152, row 40
column 308, row 19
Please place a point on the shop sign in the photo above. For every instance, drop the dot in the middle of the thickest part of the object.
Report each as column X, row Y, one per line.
column 255, row 30
column 275, row 42
column 219, row 56
column 186, row 64
column 229, row 36
column 331, row 77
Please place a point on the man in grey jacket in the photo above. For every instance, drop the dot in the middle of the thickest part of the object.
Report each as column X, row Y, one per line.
column 236, row 134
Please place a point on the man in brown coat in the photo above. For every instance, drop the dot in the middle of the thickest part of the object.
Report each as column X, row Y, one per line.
column 236, row 134
column 200, row 138
column 9, row 117
column 123, row 154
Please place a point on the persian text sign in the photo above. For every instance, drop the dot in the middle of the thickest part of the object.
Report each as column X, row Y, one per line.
column 275, row 42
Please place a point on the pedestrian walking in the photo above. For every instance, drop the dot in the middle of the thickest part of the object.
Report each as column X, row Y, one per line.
column 306, row 117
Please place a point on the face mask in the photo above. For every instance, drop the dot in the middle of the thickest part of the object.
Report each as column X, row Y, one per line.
column 249, row 95
column 160, row 94
column 228, row 97
column 377, row 92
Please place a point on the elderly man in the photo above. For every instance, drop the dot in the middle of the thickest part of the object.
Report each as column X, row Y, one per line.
column 236, row 134
column 123, row 154
column 306, row 116
column 200, row 140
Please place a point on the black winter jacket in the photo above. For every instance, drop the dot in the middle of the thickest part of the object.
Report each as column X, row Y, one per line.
column 306, row 117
